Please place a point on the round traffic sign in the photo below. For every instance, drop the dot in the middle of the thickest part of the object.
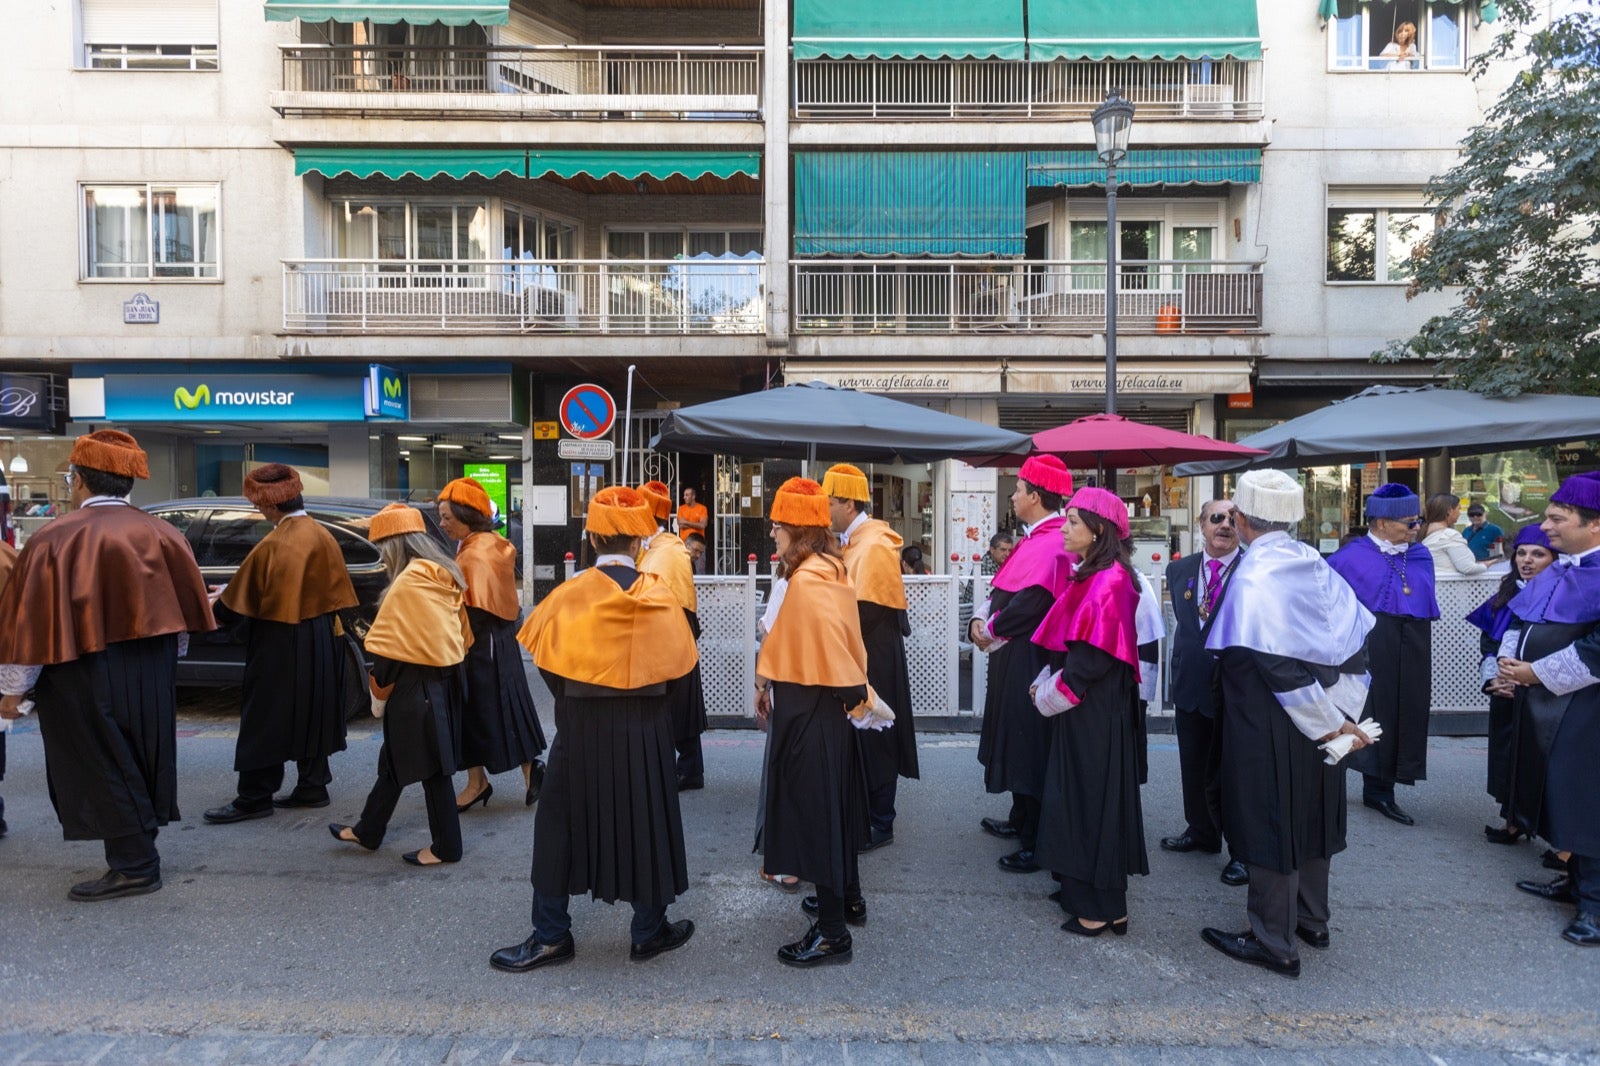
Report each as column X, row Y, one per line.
column 587, row 411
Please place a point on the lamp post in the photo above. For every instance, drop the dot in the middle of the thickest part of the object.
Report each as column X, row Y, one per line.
column 1112, row 122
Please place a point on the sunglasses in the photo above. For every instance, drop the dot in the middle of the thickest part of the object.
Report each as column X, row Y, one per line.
column 1220, row 517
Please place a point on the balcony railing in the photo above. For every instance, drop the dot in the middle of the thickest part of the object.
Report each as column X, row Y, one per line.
column 1219, row 90
column 551, row 81
column 1061, row 296
column 671, row 296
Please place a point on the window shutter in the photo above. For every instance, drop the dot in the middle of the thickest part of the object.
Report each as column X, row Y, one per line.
column 149, row 22
column 1403, row 196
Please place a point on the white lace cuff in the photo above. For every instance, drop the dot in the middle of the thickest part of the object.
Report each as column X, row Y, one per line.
column 1563, row 672
column 18, row 680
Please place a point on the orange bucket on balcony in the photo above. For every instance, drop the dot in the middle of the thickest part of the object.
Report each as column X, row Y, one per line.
column 1169, row 318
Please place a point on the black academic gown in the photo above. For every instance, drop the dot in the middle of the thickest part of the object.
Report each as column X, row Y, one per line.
column 888, row 752
column 1400, row 657
column 1555, row 789
column 422, row 721
column 1501, row 737
column 294, row 690
column 109, row 725
column 500, row 727
column 687, row 694
column 1013, row 743
column 1091, row 826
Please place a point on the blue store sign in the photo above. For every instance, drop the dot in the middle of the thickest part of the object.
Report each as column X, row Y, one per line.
column 235, row 398
column 387, row 395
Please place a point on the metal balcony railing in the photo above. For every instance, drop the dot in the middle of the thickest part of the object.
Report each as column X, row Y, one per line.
column 552, row 81
column 1211, row 90
column 666, row 296
column 1059, row 296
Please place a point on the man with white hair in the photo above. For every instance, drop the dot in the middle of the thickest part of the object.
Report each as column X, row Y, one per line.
column 1291, row 638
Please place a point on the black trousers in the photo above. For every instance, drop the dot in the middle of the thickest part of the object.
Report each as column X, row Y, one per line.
column 134, row 855
column 1200, row 765
column 257, row 786
column 1585, row 871
column 691, row 759
column 552, row 923
column 830, row 909
column 443, row 822
column 880, row 806
column 1278, row 902
column 1376, row 789
column 1025, row 816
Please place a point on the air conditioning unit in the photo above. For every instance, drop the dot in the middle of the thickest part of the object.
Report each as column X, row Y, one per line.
column 1208, row 101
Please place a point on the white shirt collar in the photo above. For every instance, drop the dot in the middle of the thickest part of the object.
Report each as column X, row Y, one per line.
column 1572, row 560
column 1385, row 547
column 295, row 514
column 615, row 559
column 105, row 501
column 1027, row 530
column 860, row 520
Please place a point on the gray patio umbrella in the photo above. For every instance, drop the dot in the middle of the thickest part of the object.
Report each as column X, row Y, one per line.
column 1386, row 422
column 819, row 422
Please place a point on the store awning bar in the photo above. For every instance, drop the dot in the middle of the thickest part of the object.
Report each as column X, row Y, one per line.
column 421, row 12
column 1151, row 29
column 908, row 29
column 396, row 163
column 1150, row 166
column 633, row 165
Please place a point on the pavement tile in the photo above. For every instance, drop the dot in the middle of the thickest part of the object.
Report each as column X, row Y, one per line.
column 950, row 1053
column 479, row 1051
column 420, row 1051
column 747, row 1052
column 137, row 1050
column 670, row 1052
column 15, row 1045
column 272, row 1050
column 813, row 1053
column 74, row 1048
column 882, row 1053
column 606, row 1051
column 202, row 1050
column 547, row 1050
column 1018, row 1055
column 350, row 1051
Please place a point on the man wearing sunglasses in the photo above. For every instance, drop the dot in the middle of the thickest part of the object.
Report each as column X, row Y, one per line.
column 1393, row 578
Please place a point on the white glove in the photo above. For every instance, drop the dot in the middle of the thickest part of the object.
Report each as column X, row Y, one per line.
column 25, row 707
column 378, row 707
column 874, row 714
column 1340, row 746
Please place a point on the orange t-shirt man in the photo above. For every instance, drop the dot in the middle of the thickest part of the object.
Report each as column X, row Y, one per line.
column 692, row 517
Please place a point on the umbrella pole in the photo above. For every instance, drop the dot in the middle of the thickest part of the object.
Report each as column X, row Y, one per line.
column 1383, row 468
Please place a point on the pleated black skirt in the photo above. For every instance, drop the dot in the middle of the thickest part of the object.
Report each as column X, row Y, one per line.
column 500, row 727
column 816, row 803
column 293, row 693
column 422, row 724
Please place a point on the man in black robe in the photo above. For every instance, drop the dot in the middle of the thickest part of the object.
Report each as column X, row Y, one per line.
column 110, row 592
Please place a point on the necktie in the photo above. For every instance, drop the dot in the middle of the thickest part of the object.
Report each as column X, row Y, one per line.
column 1213, row 584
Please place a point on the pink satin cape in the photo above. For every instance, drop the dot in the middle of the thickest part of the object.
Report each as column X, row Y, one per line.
column 1098, row 611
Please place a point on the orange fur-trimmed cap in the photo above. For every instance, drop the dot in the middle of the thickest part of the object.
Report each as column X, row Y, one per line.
column 272, row 484
column 800, row 502
column 112, row 451
column 395, row 520
column 619, row 511
column 660, row 497
column 846, row 482
column 468, row 493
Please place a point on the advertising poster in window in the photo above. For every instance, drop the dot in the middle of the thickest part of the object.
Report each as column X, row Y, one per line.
column 1513, row 487
column 492, row 476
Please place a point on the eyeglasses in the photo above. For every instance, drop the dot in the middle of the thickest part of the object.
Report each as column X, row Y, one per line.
column 1219, row 517
column 70, row 478
column 1412, row 523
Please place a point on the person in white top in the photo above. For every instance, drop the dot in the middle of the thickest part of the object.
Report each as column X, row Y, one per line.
column 1444, row 541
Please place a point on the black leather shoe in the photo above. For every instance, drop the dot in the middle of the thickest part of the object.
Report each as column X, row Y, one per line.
column 855, row 910
column 336, row 830
column 814, row 949
column 1235, row 874
column 415, row 859
column 1550, row 860
column 1556, row 891
column 1072, row 925
column 670, row 935
column 1584, row 931
column 1187, row 841
column 535, row 783
column 1390, row 810
column 1307, row 936
column 228, row 814
column 691, row 783
column 1246, row 948
column 1018, row 862
column 878, row 838
column 297, row 799
column 113, row 885
column 998, row 827
column 530, row 955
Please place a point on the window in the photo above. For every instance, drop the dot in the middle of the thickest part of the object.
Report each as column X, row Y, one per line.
column 403, row 56
column 1368, row 243
column 419, row 236
column 529, row 235
column 145, row 232
column 712, row 283
column 1156, row 242
column 149, row 34
column 1398, row 35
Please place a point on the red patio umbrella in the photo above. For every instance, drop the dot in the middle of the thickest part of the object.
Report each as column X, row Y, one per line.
column 1111, row 442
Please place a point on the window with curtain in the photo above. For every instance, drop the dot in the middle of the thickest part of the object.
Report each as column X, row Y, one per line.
column 1374, row 244
column 1397, row 35
column 151, row 232
column 417, row 237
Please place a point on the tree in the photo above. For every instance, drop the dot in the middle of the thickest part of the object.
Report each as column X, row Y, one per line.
column 1518, row 224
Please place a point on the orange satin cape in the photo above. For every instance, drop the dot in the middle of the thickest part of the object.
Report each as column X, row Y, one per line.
column 489, row 563
column 592, row 630
column 816, row 638
column 8, row 559
column 693, row 512
column 873, row 559
column 295, row 573
column 667, row 557
column 421, row 619
column 99, row 576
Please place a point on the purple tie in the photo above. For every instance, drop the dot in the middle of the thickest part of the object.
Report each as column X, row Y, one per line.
column 1213, row 584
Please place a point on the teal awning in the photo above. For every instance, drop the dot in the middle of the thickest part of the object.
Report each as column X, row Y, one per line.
column 401, row 162
column 908, row 29
column 909, row 203
column 1148, row 166
column 449, row 12
column 1142, row 29
column 643, row 164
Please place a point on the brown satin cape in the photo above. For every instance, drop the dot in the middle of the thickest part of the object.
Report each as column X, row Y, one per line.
column 489, row 563
column 99, row 576
column 816, row 638
column 873, row 559
column 8, row 559
column 592, row 630
column 421, row 619
column 295, row 573
column 667, row 557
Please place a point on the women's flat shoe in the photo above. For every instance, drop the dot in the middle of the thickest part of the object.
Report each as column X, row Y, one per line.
column 482, row 797
column 337, row 829
column 814, row 949
column 1504, row 835
column 787, row 882
column 415, row 859
column 1072, row 925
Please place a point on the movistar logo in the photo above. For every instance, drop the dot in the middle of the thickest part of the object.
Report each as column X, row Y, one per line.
column 392, row 388
column 182, row 398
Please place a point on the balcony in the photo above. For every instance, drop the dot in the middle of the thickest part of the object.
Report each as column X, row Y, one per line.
column 925, row 296
column 540, row 82
column 1222, row 90
column 667, row 296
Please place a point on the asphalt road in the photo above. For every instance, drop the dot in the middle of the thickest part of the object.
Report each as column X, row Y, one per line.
column 270, row 927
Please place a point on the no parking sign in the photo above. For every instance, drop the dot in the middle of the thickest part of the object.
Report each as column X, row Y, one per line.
column 587, row 412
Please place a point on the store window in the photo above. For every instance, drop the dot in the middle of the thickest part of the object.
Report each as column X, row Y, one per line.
column 1374, row 241
column 148, row 34
column 145, row 232
column 1397, row 35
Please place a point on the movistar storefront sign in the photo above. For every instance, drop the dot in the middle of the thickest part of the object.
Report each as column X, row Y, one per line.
column 236, row 398
column 386, row 393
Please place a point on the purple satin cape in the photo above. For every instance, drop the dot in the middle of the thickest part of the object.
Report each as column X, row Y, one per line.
column 1377, row 585
column 1562, row 595
column 1099, row 611
column 1038, row 559
column 1494, row 623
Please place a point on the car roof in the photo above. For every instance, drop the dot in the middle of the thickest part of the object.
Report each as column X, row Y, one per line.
column 352, row 504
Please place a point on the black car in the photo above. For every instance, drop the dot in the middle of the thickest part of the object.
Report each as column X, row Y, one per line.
column 223, row 529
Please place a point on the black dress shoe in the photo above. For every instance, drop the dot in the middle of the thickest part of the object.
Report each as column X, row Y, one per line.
column 296, row 799
column 998, row 827
column 1551, row 860
column 855, row 910
column 1235, row 874
column 482, row 797
column 1556, row 891
column 1315, row 939
column 1246, row 948
column 1072, row 925
column 113, row 885
column 415, row 859
column 691, row 782
column 530, row 955
column 535, row 783
column 1390, row 810
column 670, row 935
column 336, row 830
column 228, row 814
column 1583, row 931
column 814, row 949
column 1018, row 862
column 877, row 838
column 1187, row 841
column 1499, row 834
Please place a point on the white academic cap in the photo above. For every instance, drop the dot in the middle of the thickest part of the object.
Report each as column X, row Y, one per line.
column 1270, row 495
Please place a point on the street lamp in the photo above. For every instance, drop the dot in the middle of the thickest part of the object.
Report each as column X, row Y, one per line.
column 1112, row 122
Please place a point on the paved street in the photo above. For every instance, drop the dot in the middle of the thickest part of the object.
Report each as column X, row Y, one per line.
column 272, row 944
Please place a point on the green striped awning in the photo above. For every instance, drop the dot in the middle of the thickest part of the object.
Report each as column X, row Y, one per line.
column 449, row 12
column 400, row 162
column 1147, row 29
column 643, row 164
column 908, row 29
column 1148, row 166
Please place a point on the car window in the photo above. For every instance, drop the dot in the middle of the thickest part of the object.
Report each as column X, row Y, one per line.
column 181, row 519
column 229, row 536
column 357, row 550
